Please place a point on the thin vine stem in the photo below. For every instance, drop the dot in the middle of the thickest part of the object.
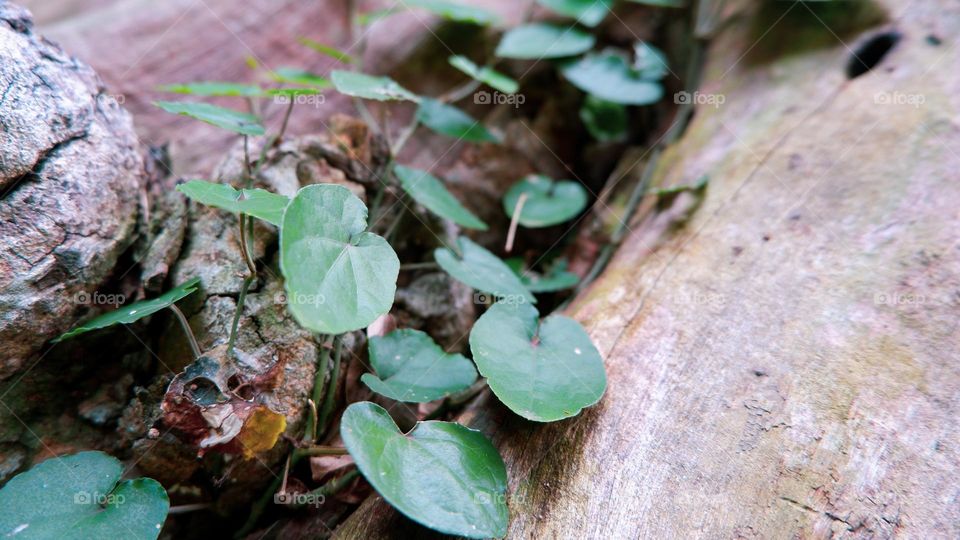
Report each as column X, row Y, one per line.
column 235, row 325
column 194, row 346
column 323, row 418
column 310, row 433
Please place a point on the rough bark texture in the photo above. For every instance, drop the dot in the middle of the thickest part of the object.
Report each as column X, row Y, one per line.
column 784, row 365
column 70, row 181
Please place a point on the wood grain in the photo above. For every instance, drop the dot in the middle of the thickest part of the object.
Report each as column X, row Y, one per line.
column 785, row 364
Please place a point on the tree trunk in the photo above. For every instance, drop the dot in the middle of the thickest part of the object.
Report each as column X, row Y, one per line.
column 784, row 363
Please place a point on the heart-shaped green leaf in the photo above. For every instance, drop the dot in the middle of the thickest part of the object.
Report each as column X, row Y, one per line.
column 243, row 123
column 557, row 277
column 588, row 12
column 540, row 40
column 429, row 191
column 339, row 278
column 607, row 76
column 294, row 75
column 258, row 203
column 455, row 12
column 486, row 75
column 650, row 61
column 214, row 89
column 451, row 121
column 605, row 120
column 548, row 202
column 484, row 271
column 366, row 86
column 441, row 474
column 134, row 312
column 411, row 367
column 79, row 497
column 543, row 371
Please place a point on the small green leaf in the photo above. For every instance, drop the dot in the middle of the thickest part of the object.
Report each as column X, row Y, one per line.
column 429, row 191
column 366, row 86
column 483, row 271
column 452, row 122
column 557, row 278
column 455, row 12
column 650, row 61
column 486, row 75
column 134, row 312
column 214, row 89
column 243, row 123
column 81, row 496
column 411, row 367
column 542, row 370
column 258, row 203
column 607, row 76
column 440, row 474
column 540, row 40
column 294, row 75
column 327, row 50
column 338, row 277
column 588, row 12
column 606, row 121
column 548, row 202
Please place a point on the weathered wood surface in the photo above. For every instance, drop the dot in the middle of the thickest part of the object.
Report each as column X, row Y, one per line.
column 786, row 364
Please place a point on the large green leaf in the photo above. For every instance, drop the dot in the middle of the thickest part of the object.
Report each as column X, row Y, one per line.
column 411, row 367
column 243, row 123
column 455, row 12
column 134, row 312
column 429, row 191
column 543, row 371
column 548, row 202
column 486, row 75
column 452, row 122
column 588, row 12
column 605, row 120
column 80, row 497
column 440, row 474
column 258, row 203
column 542, row 40
column 607, row 76
column 338, row 277
column 214, row 89
column 484, row 271
column 366, row 86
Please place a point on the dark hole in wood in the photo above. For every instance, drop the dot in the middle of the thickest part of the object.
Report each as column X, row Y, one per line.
column 871, row 53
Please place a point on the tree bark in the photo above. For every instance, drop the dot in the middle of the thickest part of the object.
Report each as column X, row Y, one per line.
column 784, row 363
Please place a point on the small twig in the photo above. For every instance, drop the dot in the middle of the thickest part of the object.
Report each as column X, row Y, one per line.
column 187, row 330
column 515, row 221
column 313, row 451
column 329, row 399
column 185, row 508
